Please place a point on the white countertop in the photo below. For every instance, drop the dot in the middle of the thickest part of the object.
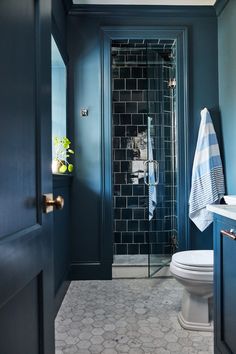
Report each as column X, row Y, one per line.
column 229, row 211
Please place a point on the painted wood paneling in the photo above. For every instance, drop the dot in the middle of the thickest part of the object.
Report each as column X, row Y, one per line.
column 227, row 90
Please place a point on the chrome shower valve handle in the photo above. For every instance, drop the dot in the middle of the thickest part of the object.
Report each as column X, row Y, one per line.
column 155, row 172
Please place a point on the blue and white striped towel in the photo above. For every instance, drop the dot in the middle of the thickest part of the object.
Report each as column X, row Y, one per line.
column 152, row 192
column 207, row 174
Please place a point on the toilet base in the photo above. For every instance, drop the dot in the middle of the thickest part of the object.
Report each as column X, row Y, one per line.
column 194, row 326
column 196, row 312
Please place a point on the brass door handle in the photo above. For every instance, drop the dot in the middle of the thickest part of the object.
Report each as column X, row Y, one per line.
column 49, row 203
column 231, row 234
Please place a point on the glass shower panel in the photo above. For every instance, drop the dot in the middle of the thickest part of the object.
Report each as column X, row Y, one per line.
column 144, row 154
column 161, row 152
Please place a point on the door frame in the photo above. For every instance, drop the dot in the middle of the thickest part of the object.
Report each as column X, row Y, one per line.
column 180, row 33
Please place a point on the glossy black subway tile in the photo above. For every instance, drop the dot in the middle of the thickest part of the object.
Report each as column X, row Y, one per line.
column 121, row 249
column 131, row 84
column 127, row 237
column 125, row 119
column 117, row 213
column 137, row 119
column 125, row 72
column 119, row 131
column 133, row 248
column 125, row 96
column 120, row 154
column 142, row 84
column 120, row 178
column 120, row 202
column 131, row 107
column 137, row 95
column 132, row 202
column 118, row 107
column 116, row 142
column 139, row 237
column 126, row 214
column 117, row 237
column 126, row 190
column 116, row 166
column 116, row 190
column 133, row 225
column 118, row 84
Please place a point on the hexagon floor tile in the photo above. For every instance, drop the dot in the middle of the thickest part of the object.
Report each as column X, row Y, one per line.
column 134, row 316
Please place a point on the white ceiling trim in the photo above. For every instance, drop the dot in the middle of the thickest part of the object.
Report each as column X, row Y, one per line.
column 146, row 2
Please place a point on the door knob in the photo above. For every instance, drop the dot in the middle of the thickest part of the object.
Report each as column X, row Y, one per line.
column 49, row 203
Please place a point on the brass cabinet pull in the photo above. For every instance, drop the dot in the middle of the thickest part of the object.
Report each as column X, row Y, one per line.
column 231, row 234
column 49, row 203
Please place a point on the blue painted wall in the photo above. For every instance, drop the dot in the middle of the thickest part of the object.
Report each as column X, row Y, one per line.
column 59, row 21
column 227, row 89
column 84, row 47
column 61, row 184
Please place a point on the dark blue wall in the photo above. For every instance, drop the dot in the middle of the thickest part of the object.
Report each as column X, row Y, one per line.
column 61, row 238
column 227, row 89
column 61, row 184
column 59, row 23
column 84, row 46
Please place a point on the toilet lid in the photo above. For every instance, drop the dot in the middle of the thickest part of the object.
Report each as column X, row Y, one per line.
column 196, row 259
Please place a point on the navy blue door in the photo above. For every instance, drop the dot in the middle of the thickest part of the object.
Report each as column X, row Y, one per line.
column 26, row 283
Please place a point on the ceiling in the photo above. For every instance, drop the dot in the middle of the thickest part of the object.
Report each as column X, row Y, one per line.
column 146, row 2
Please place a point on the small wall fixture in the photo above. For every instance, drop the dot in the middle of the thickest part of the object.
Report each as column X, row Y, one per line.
column 83, row 112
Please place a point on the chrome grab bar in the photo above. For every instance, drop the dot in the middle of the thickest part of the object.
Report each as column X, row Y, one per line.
column 231, row 234
column 156, row 170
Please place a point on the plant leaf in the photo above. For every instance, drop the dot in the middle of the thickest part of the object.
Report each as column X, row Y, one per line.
column 63, row 169
column 70, row 167
column 71, row 151
column 56, row 141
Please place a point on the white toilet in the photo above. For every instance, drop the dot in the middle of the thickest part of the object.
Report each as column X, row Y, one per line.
column 194, row 270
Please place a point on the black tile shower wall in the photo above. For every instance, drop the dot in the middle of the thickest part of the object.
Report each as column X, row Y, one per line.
column 140, row 90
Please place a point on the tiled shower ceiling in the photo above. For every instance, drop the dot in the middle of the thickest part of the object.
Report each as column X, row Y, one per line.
column 145, row 2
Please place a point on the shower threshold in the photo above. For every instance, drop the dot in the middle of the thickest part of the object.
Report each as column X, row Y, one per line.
column 136, row 266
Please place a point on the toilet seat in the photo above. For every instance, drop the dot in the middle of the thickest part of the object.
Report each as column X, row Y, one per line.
column 203, row 258
column 194, row 265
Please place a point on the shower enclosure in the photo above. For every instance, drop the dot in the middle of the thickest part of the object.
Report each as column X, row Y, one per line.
column 144, row 151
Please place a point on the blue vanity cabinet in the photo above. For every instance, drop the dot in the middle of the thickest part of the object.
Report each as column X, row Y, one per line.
column 224, row 285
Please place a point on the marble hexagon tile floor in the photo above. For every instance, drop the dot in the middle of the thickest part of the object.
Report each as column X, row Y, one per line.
column 132, row 316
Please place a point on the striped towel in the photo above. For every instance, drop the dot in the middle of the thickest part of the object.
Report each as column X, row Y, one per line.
column 207, row 174
column 152, row 193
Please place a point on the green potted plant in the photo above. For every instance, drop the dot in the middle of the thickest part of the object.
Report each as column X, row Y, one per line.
column 62, row 152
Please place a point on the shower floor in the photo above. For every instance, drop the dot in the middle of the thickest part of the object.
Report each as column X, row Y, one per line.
column 136, row 266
